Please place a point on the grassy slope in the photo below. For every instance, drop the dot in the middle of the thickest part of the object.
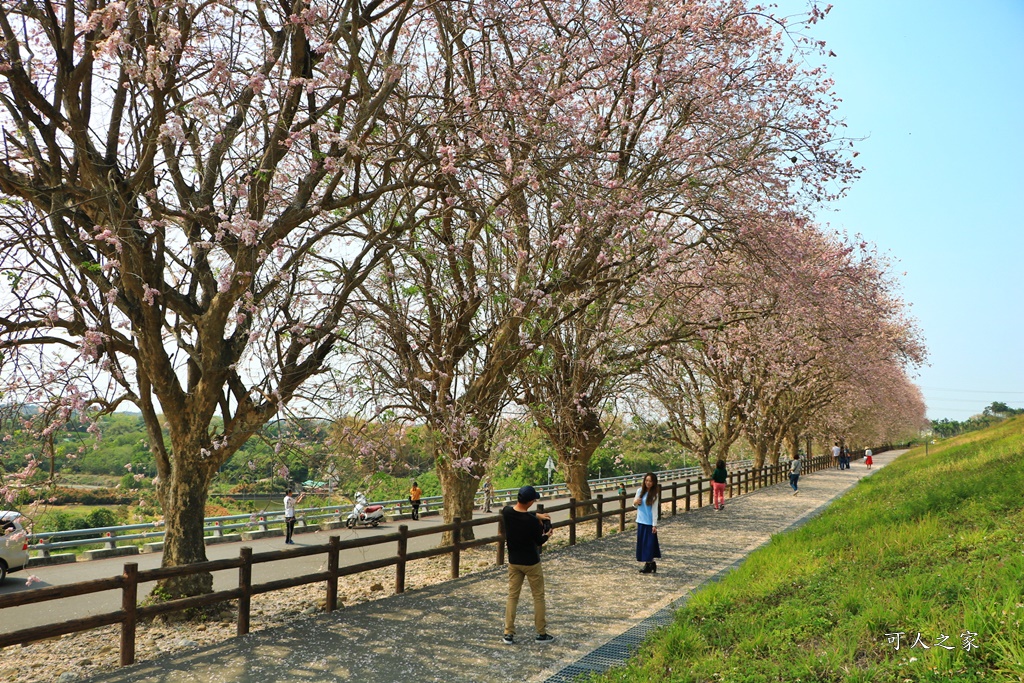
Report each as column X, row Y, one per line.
column 930, row 545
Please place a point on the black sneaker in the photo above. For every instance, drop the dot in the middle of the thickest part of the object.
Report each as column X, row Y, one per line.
column 544, row 638
column 508, row 639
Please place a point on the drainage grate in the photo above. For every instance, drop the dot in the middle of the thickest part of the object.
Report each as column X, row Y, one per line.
column 617, row 650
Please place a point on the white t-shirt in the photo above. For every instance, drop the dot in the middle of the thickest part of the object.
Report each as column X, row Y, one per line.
column 835, row 451
column 289, row 506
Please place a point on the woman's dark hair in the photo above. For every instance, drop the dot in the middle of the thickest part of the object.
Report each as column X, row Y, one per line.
column 651, row 493
column 720, row 464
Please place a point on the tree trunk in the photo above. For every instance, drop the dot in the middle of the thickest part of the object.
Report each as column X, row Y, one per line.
column 794, row 446
column 722, row 452
column 183, row 498
column 575, row 447
column 760, row 452
column 459, row 489
column 575, row 472
column 705, row 462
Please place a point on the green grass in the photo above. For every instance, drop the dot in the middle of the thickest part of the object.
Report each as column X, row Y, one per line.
column 929, row 545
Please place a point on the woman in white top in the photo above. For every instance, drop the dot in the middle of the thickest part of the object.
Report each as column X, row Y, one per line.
column 289, row 515
column 647, row 504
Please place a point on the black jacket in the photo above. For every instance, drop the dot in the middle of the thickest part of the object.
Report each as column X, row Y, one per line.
column 524, row 534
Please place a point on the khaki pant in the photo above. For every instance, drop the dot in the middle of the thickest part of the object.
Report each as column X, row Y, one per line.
column 516, row 574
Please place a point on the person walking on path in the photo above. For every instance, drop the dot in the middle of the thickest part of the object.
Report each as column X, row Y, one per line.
column 837, row 453
column 718, row 479
column 415, row 493
column 525, row 533
column 488, row 495
column 795, row 465
column 867, row 458
column 289, row 515
column 647, row 504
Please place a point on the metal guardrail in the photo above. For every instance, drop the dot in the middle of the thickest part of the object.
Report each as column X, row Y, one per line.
column 109, row 537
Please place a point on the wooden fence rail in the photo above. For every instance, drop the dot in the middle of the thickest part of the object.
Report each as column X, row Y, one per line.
column 130, row 613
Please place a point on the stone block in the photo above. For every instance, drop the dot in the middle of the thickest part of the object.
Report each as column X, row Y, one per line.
column 254, row 535
column 108, row 552
column 59, row 558
column 226, row 538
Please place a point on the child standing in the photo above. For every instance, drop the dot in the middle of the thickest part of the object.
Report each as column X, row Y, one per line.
column 718, row 479
column 795, row 465
column 867, row 458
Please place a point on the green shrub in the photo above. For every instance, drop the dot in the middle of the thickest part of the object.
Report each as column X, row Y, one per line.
column 101, row 518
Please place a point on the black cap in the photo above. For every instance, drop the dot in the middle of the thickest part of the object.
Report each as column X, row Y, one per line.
column 527, row 494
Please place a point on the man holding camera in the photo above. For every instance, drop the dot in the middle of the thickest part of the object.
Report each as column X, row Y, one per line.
column 525, row 533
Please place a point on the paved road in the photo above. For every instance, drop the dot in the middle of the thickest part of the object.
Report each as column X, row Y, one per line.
column 451, row 631
column 16, row 618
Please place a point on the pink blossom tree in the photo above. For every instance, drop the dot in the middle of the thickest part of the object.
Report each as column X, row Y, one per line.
column 822, row 318
column 727, row 151
column 572, row 155
column 180, row 187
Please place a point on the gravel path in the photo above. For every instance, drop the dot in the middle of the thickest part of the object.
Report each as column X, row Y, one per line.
column 448, row 631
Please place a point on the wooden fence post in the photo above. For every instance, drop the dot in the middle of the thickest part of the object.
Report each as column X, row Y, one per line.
column 572, row 521
column 600, row 515
column 333, row 559
column 700, row 492
column 403, row 550
column 245, row 584
column 686, row 506
column 456, row 541
column 675, row 495
column 622, row 512
column 129, row 600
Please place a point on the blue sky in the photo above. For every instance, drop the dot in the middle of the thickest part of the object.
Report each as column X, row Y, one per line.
column 937, row 90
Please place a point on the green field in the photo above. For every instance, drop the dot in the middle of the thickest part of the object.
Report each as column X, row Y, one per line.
column 930, row 546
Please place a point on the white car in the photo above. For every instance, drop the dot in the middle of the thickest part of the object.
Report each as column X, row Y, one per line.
column 13, row 544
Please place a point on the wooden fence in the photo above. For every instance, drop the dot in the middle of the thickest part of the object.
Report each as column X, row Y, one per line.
column 691, row 492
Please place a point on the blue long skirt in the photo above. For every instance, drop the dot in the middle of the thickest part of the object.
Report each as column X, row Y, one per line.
column 647, row 548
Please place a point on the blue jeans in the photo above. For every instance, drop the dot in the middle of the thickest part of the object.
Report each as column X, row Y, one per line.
column 793, row 479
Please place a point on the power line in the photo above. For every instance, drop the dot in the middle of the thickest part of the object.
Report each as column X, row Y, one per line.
column 971, row 391
column 960, row 400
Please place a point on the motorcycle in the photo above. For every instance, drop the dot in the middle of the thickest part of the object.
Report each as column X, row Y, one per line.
column 363, row 513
